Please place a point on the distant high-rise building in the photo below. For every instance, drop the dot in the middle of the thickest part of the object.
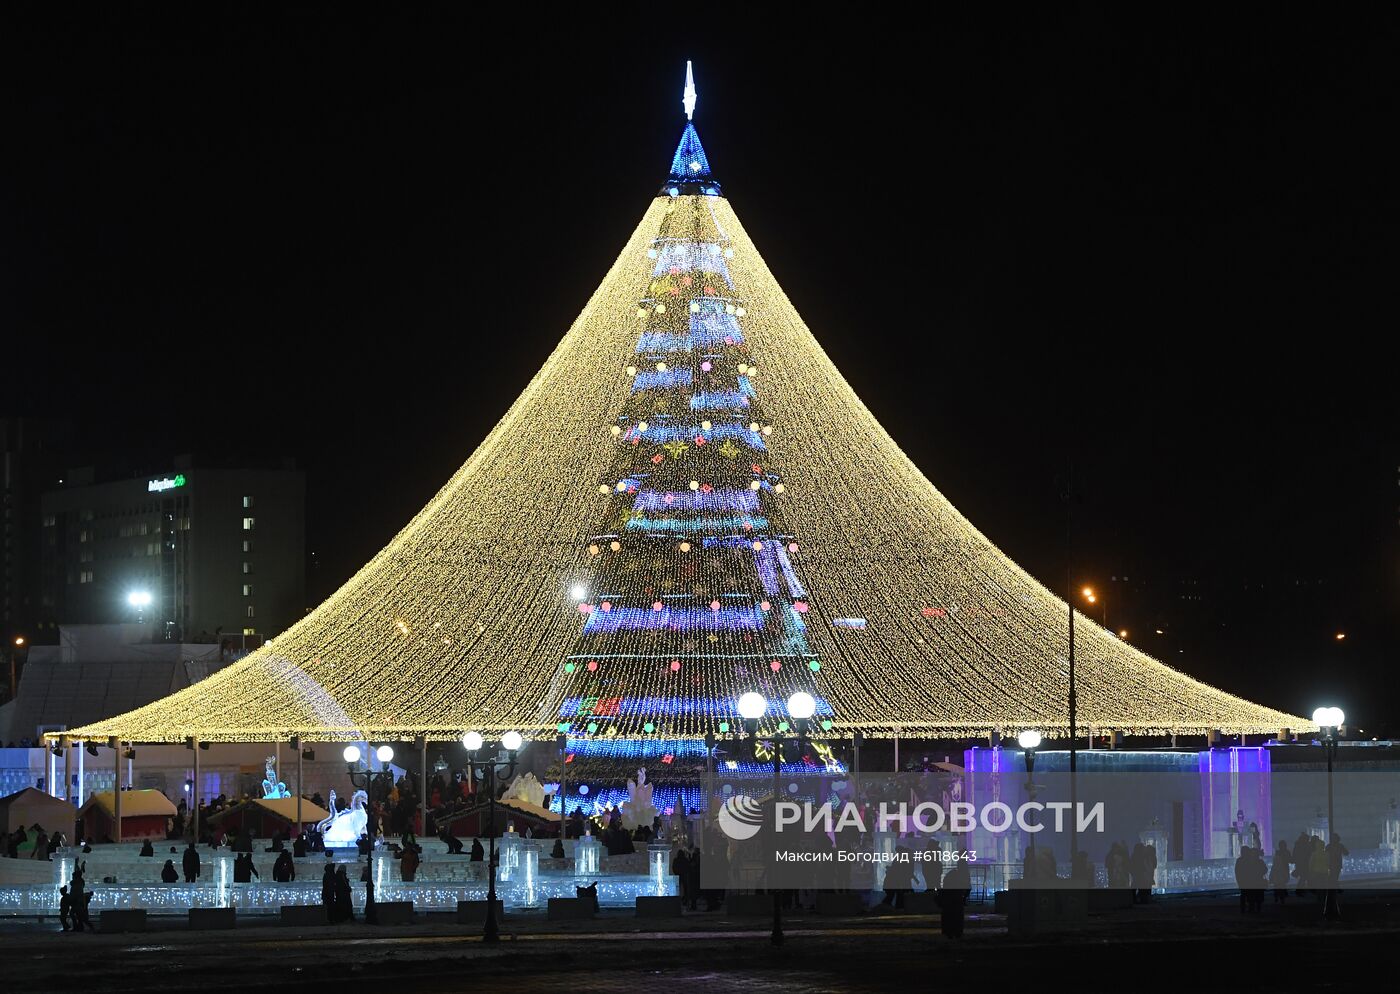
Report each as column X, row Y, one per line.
column 190, row 551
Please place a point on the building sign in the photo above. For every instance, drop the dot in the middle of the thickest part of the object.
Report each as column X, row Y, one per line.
column 165, row 483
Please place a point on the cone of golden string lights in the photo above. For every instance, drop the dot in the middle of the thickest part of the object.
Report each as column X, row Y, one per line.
column 687, row 502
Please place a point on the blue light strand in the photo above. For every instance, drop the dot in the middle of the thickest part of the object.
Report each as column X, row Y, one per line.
column 677, row 619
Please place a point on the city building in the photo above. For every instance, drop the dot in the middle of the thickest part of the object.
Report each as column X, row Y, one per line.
column 190, row 552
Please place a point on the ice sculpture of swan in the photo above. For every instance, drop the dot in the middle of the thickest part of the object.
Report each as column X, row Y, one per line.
column 344, row 828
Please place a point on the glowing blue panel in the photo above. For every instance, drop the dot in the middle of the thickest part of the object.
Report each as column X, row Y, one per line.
column 789, row 574
column 656, row 380
column 856, row 623
column 665, row 342
column 639, row 707
column 767, row 567
column 711, row 326
column 677, row 619
column 746, row 387
column 692, row 525
column 696, row 500
column 691, row 257
column 661, row 433
column 718, row 400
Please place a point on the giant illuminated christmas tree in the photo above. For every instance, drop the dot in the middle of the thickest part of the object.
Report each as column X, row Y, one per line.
column 687, row 502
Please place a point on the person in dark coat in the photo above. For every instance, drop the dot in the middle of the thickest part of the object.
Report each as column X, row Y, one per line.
column 65, row 907
column 680, row 869
column 899, row 877
column 190, row 863
column 80, row 911
column 344, row 907
column 957, row 887
column 1336, row 852
column 328, row 891
column 243, row 869
column 168, row 873
column 299, row 845
column 1302, row 858
column 1142, row 867
column 478, row 853
column 1278, row 872
column 284, row 871
column 147, row 849
column 454, row 844
column 693, row 876
column 408, row 865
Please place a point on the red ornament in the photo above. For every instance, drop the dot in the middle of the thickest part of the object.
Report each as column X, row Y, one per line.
column 656, row 605
column 775, row 666
column 800, row 607
column 675, row 665
column 593, row 666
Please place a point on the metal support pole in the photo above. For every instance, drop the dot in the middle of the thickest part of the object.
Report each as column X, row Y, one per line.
column 492, row 932
column 896, row 750
column 194, row 796
column 423, row 786
column 563, row 787
column 82, row 762
column 777, row 937
column 67, row 769
column 117, row 787
column 296, row 742
column 1331, row 825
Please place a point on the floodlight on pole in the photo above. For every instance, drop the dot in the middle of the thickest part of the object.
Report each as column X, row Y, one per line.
column 801, row 705
column 351, row 754
column 512, row 740
column 472, row 740
column 752, row 706
column 384, row 753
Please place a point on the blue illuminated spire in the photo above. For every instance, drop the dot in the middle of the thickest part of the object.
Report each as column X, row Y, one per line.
column 690, row 164
column 690, row 168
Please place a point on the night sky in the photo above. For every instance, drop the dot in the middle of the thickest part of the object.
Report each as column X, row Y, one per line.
column 1160, row 252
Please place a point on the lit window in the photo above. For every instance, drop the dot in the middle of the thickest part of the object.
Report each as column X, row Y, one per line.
column 247, row 524
column 247, row 545
column 247, row 590
column 250, row 610
column 247, row 568
column 247, row 501
column 50, row 520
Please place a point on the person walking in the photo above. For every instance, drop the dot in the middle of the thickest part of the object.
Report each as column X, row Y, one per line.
column 1279, row 873
column 1335, row 853
column 328, row 891
column 952, row 899
column 344, row 906
column 1302, row 858
column 65, row 907
column 408, row 865
column 284, row 870
column 190, row 863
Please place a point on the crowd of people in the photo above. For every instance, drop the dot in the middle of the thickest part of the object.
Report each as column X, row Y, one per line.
column 1314, row 864
column 44, row 844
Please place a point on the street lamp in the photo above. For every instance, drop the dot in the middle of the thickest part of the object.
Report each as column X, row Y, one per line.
column 800, row 708
column 1329, row 720
column 1029, row 740
column 492, row 773
column 365, row 779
